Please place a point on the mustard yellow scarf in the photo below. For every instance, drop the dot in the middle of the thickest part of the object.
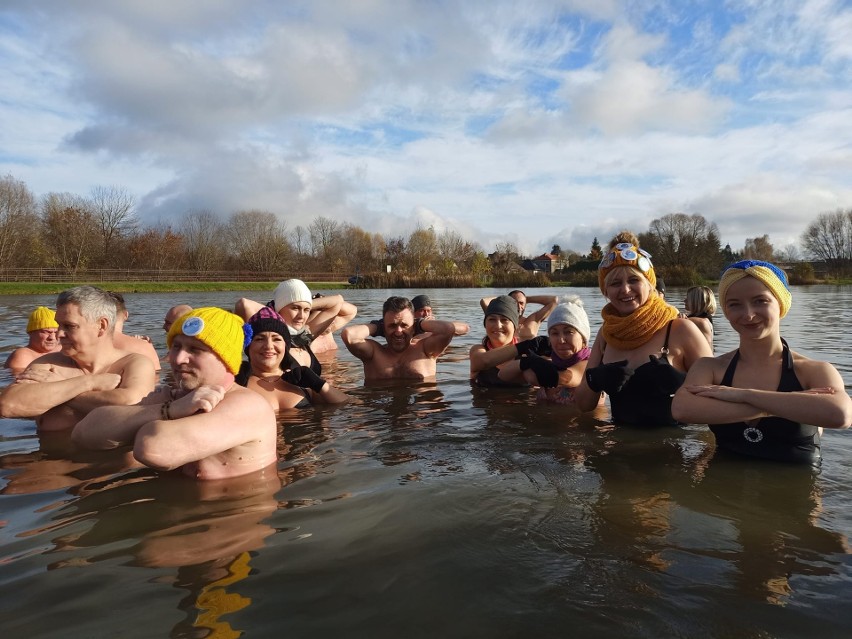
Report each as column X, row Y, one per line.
column 633, row 330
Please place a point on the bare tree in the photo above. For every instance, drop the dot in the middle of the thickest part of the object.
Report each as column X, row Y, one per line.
column 829, row 238
column 18, row 219
column 324, row 234
column 454, row 252
column 70, row 231
column 504, row 257
column 258, row 241
column 113, row 210
column 685, row 241
column 364, row 250
column 758, row 248
column 202, row 236
column 421, row 251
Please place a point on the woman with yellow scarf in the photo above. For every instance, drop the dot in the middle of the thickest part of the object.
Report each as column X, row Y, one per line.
column 643, row 350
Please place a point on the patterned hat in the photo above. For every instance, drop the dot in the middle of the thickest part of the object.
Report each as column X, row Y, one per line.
column 772, row 277
column 290, row 291
column 267, row 320
column 221, row 331
column 626, row 254
column 41, row 317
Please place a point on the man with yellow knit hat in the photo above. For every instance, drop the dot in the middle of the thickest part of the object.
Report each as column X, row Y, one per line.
column 41, row 328
column 206, row 425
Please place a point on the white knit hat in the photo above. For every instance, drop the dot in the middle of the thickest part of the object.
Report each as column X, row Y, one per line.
column 290, row 291
column 570, row 311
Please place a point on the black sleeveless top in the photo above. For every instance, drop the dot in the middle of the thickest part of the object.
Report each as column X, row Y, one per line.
column 646, row 398
column 771, row 437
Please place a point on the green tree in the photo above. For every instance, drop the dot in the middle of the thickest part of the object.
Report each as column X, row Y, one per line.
column 595, row 253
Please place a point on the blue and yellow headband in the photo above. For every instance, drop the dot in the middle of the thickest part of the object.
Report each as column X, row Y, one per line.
column 770, row 275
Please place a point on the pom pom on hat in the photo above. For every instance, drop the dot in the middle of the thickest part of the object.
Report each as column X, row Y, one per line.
column 570, row 311
column 626, row 254
column 505, row 306
column 290, row 291
column 770, row 275
column 42, row 317
column 221, row 331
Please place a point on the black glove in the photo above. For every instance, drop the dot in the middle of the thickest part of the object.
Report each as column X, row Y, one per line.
column 304, row 377
column 316, row 296
column 380, row 327
column 545, row 371
column 609, row 378
column 539, row 345
column 667, row 379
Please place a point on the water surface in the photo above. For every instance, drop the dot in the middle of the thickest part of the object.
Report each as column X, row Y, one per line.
column 434, row 510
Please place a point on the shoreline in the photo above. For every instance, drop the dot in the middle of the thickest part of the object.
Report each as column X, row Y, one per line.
column 54, row 288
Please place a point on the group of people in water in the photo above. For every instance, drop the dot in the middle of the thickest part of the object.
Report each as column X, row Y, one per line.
column 232, row 371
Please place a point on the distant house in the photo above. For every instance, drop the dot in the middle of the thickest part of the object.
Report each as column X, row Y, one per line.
column 546, row 263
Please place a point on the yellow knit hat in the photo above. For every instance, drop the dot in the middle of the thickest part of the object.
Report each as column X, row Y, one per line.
column 220, row 330
column 40, row 318
column 770, row 275
column 626, row 254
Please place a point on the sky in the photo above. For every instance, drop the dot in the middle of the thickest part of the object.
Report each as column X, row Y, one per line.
column 535, row 122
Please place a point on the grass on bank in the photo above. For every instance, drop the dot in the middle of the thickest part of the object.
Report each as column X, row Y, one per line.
column 53, row 288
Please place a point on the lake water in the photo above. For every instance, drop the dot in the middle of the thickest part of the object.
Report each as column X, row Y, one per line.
column 428, row 510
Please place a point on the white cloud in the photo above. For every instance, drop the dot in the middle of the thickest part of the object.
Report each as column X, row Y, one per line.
column 535, row 123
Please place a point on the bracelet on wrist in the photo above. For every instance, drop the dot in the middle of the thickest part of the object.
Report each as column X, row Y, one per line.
column 164, row 410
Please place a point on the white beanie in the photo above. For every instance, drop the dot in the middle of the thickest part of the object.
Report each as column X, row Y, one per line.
column 290, row 291
column 570, row 311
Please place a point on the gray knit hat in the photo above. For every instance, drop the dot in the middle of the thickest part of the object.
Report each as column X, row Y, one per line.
column 505, row 306
column 570, row 311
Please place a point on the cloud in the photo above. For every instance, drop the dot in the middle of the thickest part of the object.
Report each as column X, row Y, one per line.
column 534, row 123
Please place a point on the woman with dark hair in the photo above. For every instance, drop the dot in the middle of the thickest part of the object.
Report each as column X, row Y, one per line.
column 264, row 372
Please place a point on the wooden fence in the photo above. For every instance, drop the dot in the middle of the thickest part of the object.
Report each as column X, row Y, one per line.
column 138, row 275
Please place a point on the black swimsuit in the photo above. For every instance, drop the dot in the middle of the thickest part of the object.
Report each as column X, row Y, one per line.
column 290, row 362
column 771, row 437
column 646, row 398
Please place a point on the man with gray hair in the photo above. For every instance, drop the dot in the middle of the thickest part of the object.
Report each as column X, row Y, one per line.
column 59, row 389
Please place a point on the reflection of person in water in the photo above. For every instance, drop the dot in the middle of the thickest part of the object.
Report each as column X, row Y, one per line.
column 773, row 512
column 203, row 529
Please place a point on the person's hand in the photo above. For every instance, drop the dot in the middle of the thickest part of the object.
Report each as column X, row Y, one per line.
column 609, row 378
column 304, row 377
column 200, row 400
column 667, row 379
column 380, row 327
column 49, row 373
column 539, row 345
column 144, row 338
column 545, row 371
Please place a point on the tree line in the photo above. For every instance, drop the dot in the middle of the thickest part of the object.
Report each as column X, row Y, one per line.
column 102, row 230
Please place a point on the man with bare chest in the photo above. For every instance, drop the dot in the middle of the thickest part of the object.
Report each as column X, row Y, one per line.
column 59, row 389
column 399, row 358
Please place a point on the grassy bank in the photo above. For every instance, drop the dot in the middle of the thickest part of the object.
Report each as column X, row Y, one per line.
column 51, row 288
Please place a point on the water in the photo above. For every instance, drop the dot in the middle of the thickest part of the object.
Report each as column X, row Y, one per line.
column 424, row 510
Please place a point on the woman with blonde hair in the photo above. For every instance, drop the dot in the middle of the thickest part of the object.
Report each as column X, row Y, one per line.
column 763, row 399
column 643, row 350
column 700, row 305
